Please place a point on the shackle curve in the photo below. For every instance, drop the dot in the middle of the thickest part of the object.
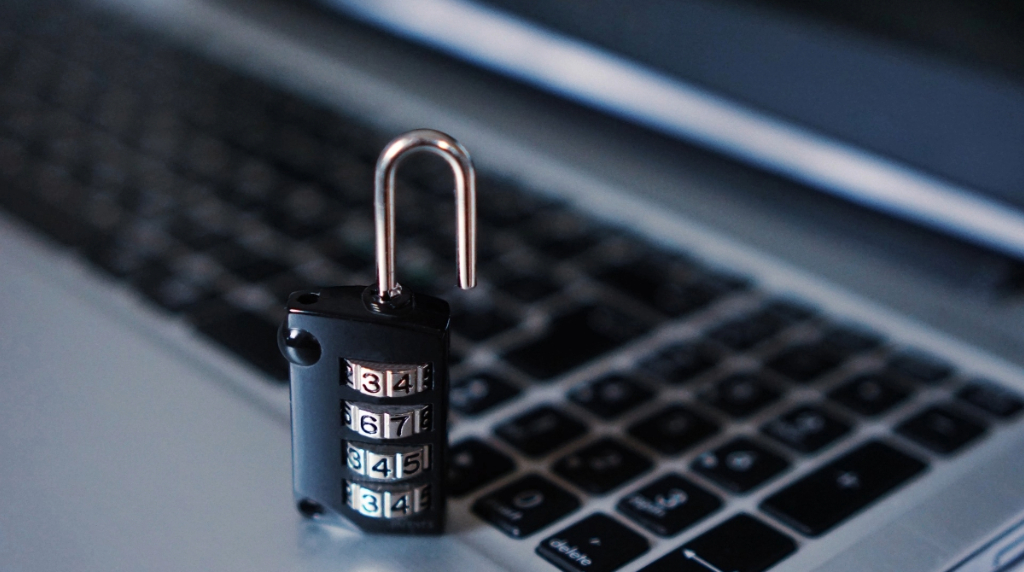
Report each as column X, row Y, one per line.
column 458, row 159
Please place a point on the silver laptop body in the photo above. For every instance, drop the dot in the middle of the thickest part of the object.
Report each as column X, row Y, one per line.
column 132, row 441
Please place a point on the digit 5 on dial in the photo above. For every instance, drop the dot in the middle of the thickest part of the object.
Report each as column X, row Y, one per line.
column 387, row 463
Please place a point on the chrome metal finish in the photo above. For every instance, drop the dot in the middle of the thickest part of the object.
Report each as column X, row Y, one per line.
column 387, row 503
column 382, row 463
column 387, row 380
column 387, row 421
column 384, row 205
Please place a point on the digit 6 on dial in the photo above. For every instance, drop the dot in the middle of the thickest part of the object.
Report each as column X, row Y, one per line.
column 369, row 424
column 387, row 421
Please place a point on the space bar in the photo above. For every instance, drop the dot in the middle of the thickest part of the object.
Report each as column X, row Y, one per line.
column 833, row 493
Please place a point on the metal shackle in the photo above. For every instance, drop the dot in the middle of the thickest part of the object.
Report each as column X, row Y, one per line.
column 384, row 205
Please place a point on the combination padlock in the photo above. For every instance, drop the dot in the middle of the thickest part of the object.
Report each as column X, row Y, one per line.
column 369, row 375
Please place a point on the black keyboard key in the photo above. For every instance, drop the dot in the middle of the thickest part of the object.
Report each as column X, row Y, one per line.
column 601, row 466
column 176, row 292
column 673, row 429
column 540, row 430
column 302, row 212
column 806, row 362
column 560, row 234
column 740, row 544
column 740, row 395
column 480, row 323
column 526, row 285
column 200, row 235
column 669, row 505
column 456, row 357
column 664, row 288
column 680, row 363
column 525, row 505
column 423, row 224
column 740, row 465
column 251, row 337
column 843, row 487
column 611, row 396
column 480, row 392
column 206, row 158
column 245, row 263
column 258, row 268
column 597, row 543
column 941, row 429
column 488, row 246
column 789, row 311
column 126, row 255
column 350, row 257
column 870, row 394
column 720, row 283
column 507, row 206
column 749, row 331
column 850, row 340
column 993, row 399
column 475, row 464
column 806, row 429
column 919, row 367
column 299, row 227
column 55, row 223
column 574, row 339
column 423, row 220
column 427, row 173
column 746, row 332
column 421, row 276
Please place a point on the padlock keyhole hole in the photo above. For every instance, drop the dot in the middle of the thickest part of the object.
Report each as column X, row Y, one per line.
column 307, row 299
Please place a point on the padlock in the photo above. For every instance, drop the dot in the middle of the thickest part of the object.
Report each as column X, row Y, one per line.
column 369, row 375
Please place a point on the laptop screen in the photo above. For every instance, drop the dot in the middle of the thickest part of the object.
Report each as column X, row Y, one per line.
column 976, row 34
column 829, row 65
column 916, row 109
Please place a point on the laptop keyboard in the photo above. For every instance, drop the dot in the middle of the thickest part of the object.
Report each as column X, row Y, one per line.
column 680, row 386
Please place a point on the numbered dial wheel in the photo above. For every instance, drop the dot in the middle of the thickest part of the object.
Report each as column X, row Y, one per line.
column 387, row 502
column 387, row 463
column 387, row 421
column 387, row 379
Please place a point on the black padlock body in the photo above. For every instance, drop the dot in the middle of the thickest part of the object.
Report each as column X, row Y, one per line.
column 340, row 322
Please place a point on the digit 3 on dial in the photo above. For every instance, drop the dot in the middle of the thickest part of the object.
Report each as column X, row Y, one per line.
column 379, row 502
column 382, row 463
column 386, row 380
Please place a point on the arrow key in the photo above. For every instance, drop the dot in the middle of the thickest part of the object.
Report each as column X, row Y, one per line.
column 740, row 544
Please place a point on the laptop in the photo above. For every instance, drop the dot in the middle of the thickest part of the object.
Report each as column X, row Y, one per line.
column 750, row 279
